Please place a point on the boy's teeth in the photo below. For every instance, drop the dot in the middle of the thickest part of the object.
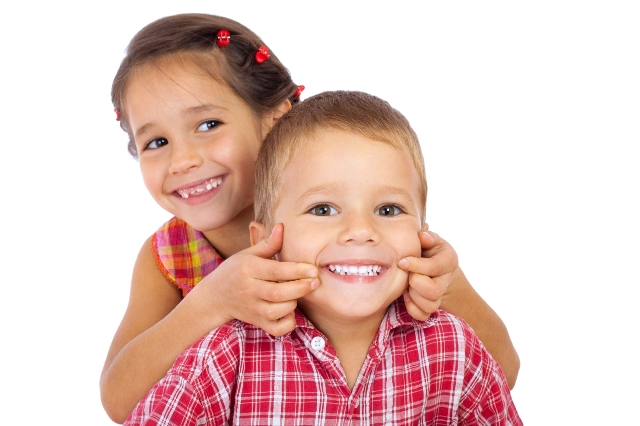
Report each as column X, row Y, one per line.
column 364, row 270
column 200, row 189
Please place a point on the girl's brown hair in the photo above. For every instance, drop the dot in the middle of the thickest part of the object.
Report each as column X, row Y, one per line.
column 193, row 37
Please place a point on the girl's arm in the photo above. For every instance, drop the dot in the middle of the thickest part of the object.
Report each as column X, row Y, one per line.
column 462, row 300
column 435, row 281
column 159, row 324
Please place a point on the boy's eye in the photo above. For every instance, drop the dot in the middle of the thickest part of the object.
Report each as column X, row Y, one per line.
column 156, row 143
column 389, row 210
column 323, row 210
column 208, row 125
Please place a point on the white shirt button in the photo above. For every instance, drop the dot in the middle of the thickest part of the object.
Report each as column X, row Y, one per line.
column 317, row 343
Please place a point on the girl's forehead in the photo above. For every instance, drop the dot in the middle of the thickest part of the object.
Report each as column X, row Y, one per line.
column 172, row 86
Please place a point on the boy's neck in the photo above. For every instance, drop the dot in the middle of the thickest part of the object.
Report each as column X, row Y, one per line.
column 351, row 339
column 232, row 237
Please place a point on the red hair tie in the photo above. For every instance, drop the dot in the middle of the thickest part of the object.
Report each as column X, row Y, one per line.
column 224, row 38
column 299, row 91
column 262, row 54
column 117, row 111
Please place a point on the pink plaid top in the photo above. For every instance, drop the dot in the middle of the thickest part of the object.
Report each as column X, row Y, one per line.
column 434, row 372
column 183, row 254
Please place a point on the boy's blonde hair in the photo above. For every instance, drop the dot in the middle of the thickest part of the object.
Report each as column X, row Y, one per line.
column 356, row 112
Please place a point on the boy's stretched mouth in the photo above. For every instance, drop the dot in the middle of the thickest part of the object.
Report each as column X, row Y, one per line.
column 356, row 270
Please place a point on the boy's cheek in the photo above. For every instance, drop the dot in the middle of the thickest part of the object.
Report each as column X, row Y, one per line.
column 298, row 245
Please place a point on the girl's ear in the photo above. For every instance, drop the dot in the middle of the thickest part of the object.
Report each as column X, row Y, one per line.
column 281, row 110
column 270, row 119
column 257, row 231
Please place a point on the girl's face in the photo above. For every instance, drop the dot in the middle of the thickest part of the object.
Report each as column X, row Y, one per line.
column 197, row 142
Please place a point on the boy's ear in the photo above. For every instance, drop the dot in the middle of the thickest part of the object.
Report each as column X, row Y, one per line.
column 257, row 231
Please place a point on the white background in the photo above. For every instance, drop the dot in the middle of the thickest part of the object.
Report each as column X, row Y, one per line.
column 529, row 118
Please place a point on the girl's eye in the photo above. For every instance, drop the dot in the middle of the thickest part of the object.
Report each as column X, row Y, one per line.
column 323, row 210
column 389, row 210
column 208, row 125
column 156, row 143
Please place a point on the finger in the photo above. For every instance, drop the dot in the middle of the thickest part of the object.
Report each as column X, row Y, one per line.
column 434, row 267
column 275, row 292
column 280, row 326
column 427, row 287
column 425, row 305
column 413, row 309
column 270, row 311
column 272, row 270
column 269, row 247
column 427, row 240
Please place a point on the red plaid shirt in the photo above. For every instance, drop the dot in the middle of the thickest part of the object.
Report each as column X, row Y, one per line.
column 434, row 372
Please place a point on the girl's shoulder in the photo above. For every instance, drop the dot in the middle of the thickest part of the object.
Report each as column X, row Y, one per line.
column 183, row 254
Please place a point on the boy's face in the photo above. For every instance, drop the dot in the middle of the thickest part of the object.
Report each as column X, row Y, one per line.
column 350, row 203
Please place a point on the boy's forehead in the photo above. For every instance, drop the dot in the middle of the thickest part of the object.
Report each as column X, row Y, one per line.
column 322, row 141
column 311, row 167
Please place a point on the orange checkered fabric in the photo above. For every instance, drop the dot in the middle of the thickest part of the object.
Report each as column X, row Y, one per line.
column 183, row 254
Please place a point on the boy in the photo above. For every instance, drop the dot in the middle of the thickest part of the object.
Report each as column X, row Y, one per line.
column 343, row 172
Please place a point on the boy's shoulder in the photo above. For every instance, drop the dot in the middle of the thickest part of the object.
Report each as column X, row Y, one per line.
column 223, row 345
column 450, row 332
column 441, row 326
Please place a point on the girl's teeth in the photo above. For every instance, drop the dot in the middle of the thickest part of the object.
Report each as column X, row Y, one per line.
column 365, row 270
column 200, row 189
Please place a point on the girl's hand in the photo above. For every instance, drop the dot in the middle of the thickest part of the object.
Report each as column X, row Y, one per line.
column 429, row 276
column 253, row 288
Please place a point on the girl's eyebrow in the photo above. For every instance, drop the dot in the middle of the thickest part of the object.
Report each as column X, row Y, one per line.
column 141, row 130
column 195, row 110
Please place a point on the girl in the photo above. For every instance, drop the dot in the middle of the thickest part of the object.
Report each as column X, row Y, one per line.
column 197, row 94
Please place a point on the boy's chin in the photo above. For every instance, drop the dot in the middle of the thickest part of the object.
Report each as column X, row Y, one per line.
column 348, row 307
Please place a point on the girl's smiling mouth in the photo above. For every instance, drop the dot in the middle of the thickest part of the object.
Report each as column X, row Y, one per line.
column 201, row 188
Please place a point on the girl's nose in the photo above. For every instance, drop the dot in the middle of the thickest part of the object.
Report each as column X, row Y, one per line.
column 359, row 229
column 183, row 158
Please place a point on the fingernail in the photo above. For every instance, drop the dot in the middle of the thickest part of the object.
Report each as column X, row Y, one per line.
column 312, row 273
column 427, row 234
column 403, row 263
column 271, row 234
column 314, row 284
column 406, row 297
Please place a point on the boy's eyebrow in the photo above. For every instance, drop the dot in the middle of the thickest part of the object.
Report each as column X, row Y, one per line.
column 332, row 188
column 394, row 190
column 328, row 188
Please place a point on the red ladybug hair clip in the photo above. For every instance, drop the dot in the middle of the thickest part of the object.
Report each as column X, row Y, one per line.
column 117, row 111
column 262, row 54
column 299, row 91
column 223, row 38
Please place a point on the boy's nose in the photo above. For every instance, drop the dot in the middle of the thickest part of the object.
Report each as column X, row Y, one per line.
column 359, row 229
column 183, row 158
